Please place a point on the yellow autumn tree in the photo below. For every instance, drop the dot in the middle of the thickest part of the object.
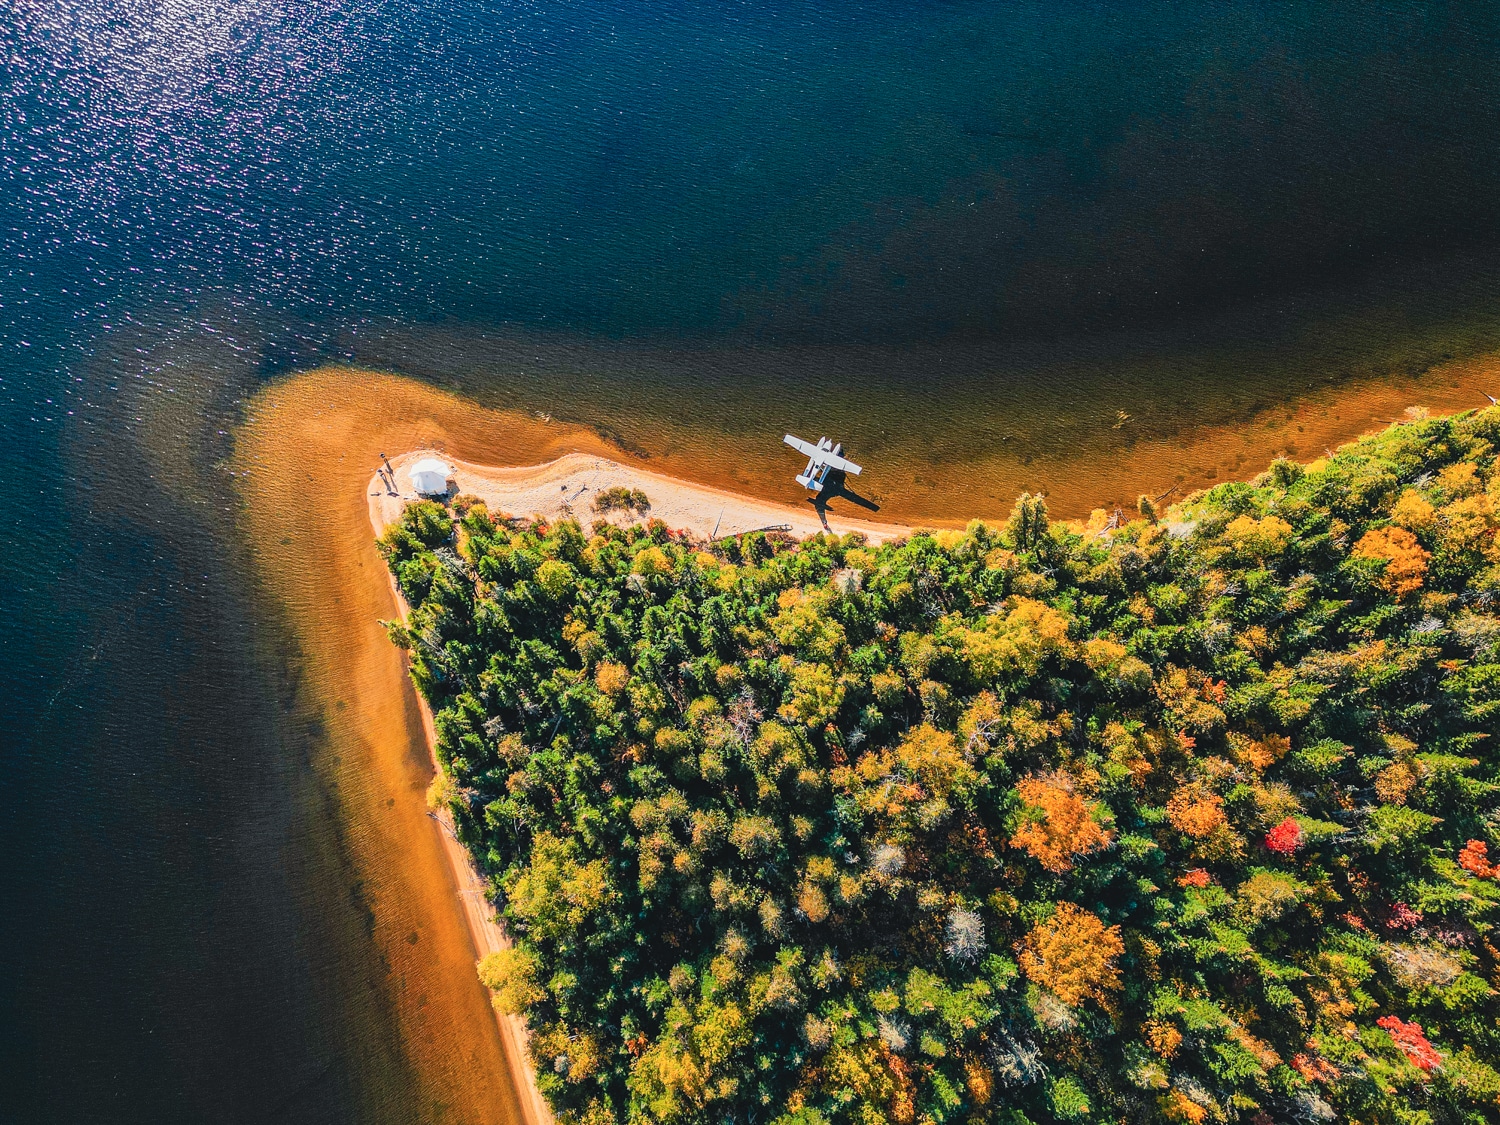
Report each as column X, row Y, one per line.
column 556, row 894
column 691, row 1066
column 1015, row 642
column 980, row 723
column 929, row 760
column 611, row 678
column 511, row 974
column 650, row 562
column 816, row 695
column 1459, row 479
column 1405, row 558
column 1177, row 1106
column 879, row 1080
column 1059, row 824
column 1468, row 524
column 803, row 625
column 1413, row 511
column 1072, row 955
column 1254, row 538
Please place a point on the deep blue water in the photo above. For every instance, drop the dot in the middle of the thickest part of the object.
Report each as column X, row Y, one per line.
column 197, row 196
column 824, row 170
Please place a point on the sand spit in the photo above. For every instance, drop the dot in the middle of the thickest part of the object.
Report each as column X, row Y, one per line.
column 304, row 460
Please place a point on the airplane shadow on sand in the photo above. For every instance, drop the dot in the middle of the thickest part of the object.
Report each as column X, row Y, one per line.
column 836, row 487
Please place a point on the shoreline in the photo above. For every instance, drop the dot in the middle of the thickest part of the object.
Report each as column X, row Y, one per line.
column 308, row 442
column 485, row 929
column 303, row 449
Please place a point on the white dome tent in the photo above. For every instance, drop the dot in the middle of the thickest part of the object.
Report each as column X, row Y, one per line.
column 429, row 476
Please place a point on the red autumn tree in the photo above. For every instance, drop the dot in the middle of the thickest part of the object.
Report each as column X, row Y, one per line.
column 1285, row 838
column 1413, row 1043
column 1475, row 858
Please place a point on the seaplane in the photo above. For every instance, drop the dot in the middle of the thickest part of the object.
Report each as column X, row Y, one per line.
column 821, row 459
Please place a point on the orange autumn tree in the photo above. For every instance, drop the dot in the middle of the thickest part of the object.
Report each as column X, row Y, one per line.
column 1195, row 812
column 1060, row 824
column 1405, row 558
column 1072, row 955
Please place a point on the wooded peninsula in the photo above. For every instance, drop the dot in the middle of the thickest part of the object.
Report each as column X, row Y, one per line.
column 1191, row 816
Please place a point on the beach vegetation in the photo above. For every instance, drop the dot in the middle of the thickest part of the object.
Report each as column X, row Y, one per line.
column 621, row 499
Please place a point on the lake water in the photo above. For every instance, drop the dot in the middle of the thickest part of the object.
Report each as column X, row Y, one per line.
column 953, row 232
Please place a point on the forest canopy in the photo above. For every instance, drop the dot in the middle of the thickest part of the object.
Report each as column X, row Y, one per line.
column 1185, row 818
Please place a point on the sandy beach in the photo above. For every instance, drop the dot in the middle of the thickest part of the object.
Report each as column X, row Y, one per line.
column 304, row 464
column 567, row 487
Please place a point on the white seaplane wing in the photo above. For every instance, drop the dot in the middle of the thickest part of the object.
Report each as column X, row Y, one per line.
column 821, row 455
column 842, row 463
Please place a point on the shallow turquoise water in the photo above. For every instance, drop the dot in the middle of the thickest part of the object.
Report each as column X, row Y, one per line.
column 972, row 214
